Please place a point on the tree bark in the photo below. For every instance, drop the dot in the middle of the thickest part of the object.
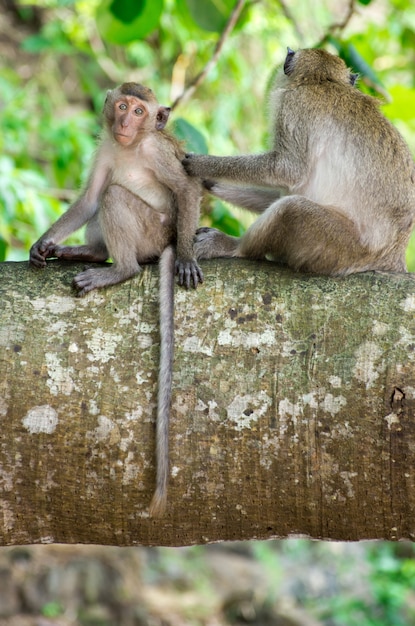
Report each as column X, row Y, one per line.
column 293, row 407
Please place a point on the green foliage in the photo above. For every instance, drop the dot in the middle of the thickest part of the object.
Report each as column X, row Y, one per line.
column 50, row 100
column 123, row 21
column 52, row 610
column 192, row 139
column 391, row 581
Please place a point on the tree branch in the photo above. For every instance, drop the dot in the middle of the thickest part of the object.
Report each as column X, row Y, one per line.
column 338, row 26
column 191, row 88
column 293, row 407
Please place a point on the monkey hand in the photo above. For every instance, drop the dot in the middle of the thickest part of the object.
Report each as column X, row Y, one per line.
column 209, row 184
column 193, row 164
column 187, row 272
column 40, row 251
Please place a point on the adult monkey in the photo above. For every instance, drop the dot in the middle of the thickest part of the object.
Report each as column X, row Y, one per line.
column 138, row 203
column 336, row 193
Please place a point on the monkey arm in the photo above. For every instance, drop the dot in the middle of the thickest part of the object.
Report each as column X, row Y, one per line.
column 78, row 214
column 267, row 169
column 187, row 193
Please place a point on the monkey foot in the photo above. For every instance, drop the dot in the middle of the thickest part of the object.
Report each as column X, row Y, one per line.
column 211, row 243
column 188, row 272
column 94, row 278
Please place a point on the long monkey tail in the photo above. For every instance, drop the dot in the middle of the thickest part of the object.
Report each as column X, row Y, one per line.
column 166, row 317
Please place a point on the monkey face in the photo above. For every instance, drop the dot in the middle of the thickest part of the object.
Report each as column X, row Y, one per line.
column 130, row 119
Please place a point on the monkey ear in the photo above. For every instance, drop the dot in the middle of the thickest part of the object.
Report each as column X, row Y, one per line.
column 162, row 117
column 353, row 78
column 288, row 66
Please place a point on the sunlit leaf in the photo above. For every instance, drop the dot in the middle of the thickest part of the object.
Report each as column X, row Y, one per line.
column 402, row 105
column 193, row 139
column 121, row 26
column 210, row 15
column 3, row 249
column 349, row 53
column 127, row 11
column 223, row 219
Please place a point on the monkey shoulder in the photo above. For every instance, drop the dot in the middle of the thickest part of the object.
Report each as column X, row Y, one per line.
column 161, row 145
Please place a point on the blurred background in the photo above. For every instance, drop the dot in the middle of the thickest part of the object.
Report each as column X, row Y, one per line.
column 57, row 59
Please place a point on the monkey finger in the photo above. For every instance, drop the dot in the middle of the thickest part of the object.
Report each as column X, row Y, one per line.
column 187, row 163
column 37, row 259
column 184, row 273
column 197, row 275
column 84, row 282
column 208, row 184
column 38, row 262
column 189, row 272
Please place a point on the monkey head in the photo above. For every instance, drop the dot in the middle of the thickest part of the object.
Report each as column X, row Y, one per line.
column 131, row 110
column 316, row 66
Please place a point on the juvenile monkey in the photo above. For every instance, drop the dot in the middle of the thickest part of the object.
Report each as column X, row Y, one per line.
column 336, row 193
column 138, row 205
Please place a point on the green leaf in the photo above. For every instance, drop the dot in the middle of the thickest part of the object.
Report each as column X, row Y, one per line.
column 3, row 249
column 210, row 15
column 348, row 52
column 402, row 105
column 193, row 139
column 127, row 11
column 223, row 219
column 111, row 13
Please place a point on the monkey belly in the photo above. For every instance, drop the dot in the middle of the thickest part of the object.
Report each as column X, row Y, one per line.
column 130, row 226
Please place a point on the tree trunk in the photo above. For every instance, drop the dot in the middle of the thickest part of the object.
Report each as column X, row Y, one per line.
column 293, row 407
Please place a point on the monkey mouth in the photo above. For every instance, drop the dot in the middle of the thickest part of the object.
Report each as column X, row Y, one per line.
column 122, row 138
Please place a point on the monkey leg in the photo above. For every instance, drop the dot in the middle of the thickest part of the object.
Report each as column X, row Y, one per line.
column 307, row 237
column 94, row 251
column 132, row 232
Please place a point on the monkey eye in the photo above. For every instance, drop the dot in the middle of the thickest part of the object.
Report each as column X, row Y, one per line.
column 139, row 111
column 122, row 106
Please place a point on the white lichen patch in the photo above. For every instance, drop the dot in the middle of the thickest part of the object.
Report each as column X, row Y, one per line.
column 347, row 478
column 107, row 430
column 269, row 450
column 41, row 419
column 208, row 409
column 54, row 304
column 380, row 328
column 332, row 404
column 134, row 416
column 194, row 344
column 60, row 378
column 7, row 515
column 368, row 365
column 392, row 418
column 315, row 401
column 131, row 470
column 4, row 407
column 10, row 334
column 142, row 377
column 246, row 410
column 335, row 381
column 408, row 304
column 288, row 410
column 239, row 338
column 102, row 345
